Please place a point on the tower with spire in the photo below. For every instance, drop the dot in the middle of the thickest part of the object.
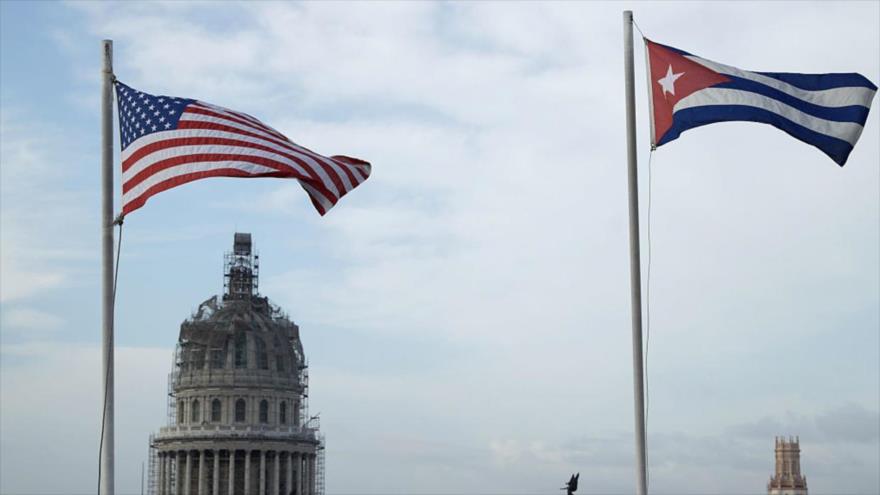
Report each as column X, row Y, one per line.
column 787, row 480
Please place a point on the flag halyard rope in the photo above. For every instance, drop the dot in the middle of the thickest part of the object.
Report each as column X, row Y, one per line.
column 117, row 221
column 636, row 24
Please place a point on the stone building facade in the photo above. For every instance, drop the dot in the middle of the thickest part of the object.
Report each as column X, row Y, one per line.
column 238, row 393
column 787, row 480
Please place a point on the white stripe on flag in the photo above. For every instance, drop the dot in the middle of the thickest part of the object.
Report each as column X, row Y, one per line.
column 240, row 116
column 837, row 97
column 192, row 133
column 178, row 151
column 190, row 168
column 847, row 131
column 347, row 184
column 261, row 130
column 232, row 122
column 324, row 202
column 310, row 157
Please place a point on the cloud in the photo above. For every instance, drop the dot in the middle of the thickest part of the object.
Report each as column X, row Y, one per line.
column 849, row 423
column 505, row 452
column 739, row 458
column 51, row 415
column 30, row 319
column 41, row 216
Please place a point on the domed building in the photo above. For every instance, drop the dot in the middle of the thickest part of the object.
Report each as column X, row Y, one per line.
column 237, row 411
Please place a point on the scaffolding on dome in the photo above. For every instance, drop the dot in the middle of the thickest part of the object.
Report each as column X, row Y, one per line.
column 235, row 340
column 152, row 475
column 241, row 275
column 319, row 476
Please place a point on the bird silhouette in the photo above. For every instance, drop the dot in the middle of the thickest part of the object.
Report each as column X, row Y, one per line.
column 572, row 484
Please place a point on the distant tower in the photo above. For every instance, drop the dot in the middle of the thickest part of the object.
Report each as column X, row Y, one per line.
column 788, row 479
column 238, row 419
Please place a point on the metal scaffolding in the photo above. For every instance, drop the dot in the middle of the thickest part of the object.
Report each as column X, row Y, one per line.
column 153, row 474
column 319, row 476
column 236, row 348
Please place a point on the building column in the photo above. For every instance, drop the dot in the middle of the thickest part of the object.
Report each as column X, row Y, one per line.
column 276, row 489
column 288, row 487
column 312, row 481
column 170, row 459
column 168, row 473
column 304, row 467
column 262, row 472
column 166, row 480
column 161, row 470
column 297, row 473
column 216, row 479
column 178, row 472
column 297, row 466
column 203, row 481
column 231, row 472
column 160, row 486
column 187, row 478
column 247, row 472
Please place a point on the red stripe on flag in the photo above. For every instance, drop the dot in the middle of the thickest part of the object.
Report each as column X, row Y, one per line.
column 206, row 141
column 180, row 180
column 136, row 203
column 258, row 126
column 360, row 166
column 211, row 112
column 321, row 160
column 283, row 169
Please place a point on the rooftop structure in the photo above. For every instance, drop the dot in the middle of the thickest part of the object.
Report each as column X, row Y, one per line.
column 238, row 398
column 787, row 479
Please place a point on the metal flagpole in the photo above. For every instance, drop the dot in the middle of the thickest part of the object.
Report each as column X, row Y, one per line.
column 106, row 483
column 635, row 276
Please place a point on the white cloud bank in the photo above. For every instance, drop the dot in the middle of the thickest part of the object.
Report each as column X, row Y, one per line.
column 51, row 396
column 386, row 434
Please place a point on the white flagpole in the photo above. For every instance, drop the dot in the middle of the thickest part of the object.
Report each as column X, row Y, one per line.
column 635, row 275
column 106, row 483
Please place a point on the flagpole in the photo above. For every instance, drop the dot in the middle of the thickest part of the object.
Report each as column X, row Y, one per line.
column 635, row 276
column 106, row 483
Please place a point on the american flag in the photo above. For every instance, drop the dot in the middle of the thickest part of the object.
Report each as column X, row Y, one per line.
column 169, row 141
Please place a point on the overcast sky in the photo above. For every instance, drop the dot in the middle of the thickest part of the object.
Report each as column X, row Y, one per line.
column 465, row 311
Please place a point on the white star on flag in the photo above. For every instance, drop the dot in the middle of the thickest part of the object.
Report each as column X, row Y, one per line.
column 668, row 82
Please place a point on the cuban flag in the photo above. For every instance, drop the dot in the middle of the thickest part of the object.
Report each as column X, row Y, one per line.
column 827, row 111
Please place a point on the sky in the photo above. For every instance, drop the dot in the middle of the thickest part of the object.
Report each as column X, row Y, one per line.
column 465, row 312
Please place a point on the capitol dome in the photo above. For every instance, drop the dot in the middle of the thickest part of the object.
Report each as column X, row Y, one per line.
column 238, row 391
